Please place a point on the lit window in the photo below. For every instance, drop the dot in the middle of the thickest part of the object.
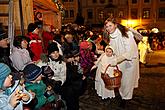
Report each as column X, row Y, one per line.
column 146, row 13
column 121, row 14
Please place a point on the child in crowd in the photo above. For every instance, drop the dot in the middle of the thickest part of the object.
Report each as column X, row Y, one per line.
column 87, row 58
column 34, row 83
column 103, row 61
column 58, row 66
column 12, row 94
column 20, row 56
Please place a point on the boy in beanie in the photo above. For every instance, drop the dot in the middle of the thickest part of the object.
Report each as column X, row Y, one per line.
column 12, row 96
column 34, row 83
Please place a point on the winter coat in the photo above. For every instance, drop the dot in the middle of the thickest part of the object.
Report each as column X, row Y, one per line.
column 20, row 58
column 6, row 95
column 39, row 88
column 35, row 46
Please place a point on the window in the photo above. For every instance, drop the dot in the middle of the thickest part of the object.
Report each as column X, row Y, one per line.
column 94, row 1
column 70, row 0
column 146, row 1
column 101, row 14
column 65, row 0
column 102, row 1
column 66, row 14
column 110, row 1
column 121, row 14
column 146, row 13
column 162, row 12
column 134, row 13
column 134, row 1
column 110, row 13
column 90, row 13
column 71, row 13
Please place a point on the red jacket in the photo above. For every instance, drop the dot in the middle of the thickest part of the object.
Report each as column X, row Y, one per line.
column 35, row 46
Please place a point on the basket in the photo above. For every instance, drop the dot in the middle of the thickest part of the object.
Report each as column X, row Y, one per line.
column 112, row 82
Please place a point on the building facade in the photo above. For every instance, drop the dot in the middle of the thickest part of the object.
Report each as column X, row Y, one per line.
column 71, row 11
column 135, row 13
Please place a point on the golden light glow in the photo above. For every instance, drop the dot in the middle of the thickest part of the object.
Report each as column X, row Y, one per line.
column 130, row 23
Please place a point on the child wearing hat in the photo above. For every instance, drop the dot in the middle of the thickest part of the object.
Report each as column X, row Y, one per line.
column 34, row 83
column 103, row 61
column 12, row 95
column 58, row 66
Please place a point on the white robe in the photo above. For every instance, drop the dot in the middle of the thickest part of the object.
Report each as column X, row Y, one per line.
column 102, row 62
column 127, row 48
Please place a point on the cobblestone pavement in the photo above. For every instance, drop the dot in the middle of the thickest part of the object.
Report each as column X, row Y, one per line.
column 150, row 95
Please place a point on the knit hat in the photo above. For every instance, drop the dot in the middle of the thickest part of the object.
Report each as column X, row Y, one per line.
column 3, row 34
column 31, row 72
column 32, row 27
column 109, row 47
column 52, row 47
column 4, row 72
column 84, row 45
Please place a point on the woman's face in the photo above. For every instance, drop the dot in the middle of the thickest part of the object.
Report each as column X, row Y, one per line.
column 24, row 44
column 110, row 27
column 108, row 52
column 54, row 55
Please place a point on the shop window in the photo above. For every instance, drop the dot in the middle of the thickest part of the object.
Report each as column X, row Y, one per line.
column 146, row 13
column 134, row 1
column 90, row 13
column 134, row 13
column 71, row 13
column 162, row 12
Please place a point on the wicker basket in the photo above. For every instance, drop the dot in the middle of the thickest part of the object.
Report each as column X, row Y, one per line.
column 112, row 82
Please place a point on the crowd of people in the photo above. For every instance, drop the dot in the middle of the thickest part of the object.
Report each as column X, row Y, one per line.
column 48, row 69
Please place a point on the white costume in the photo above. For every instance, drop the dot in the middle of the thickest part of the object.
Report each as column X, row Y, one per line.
column 102, row 62
column 144, row 48
column 126, row 48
